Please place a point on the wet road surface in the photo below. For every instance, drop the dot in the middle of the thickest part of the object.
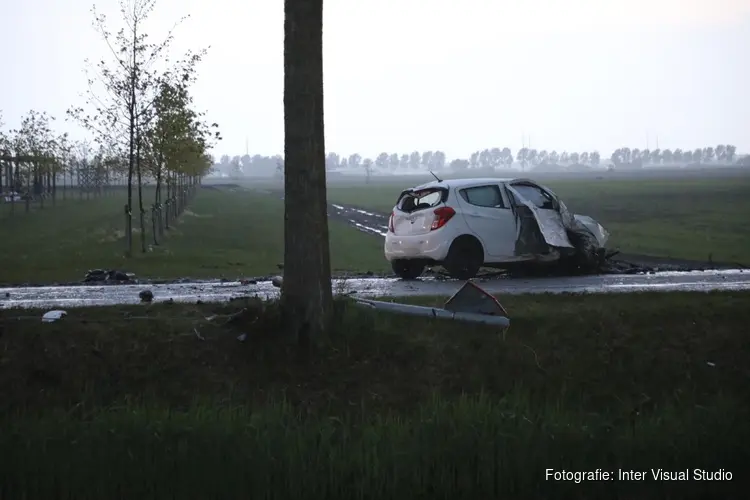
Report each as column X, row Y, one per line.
column 78, row 296
column 364, row 220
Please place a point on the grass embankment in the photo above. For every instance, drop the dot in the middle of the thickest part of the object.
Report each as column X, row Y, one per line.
column 223, row 233
column 156, row 401
column 694, row 218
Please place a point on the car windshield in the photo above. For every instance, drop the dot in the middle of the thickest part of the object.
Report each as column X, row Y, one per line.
column 411, row 201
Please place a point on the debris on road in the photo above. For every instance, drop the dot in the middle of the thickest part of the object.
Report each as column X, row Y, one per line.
column 471, row 298
column 146, row 296
column 108, row 275
column 469, row 303
column 277, row 281
column 51, row 316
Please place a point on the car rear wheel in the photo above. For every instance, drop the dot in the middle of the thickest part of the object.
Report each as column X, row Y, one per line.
column 407, row 269
column 464, row 259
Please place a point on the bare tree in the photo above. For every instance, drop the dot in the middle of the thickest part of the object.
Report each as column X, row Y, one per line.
column 306, row 293
column 127, row 87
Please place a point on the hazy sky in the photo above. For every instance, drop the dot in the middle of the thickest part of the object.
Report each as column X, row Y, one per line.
column 404, row 75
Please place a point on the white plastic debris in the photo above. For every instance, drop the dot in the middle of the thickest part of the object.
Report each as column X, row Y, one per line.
column 277, row 281
column 51, row 316
column 469, row 303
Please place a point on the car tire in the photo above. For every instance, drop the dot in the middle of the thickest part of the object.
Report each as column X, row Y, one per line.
column 464, row 259
column 407, row 269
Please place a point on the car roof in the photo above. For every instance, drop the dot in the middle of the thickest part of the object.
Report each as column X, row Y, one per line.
column 470, row 182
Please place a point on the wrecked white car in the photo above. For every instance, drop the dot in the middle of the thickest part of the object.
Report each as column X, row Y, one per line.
column 466, row 224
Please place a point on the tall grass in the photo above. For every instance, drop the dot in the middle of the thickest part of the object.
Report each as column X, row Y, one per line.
column 469, row 447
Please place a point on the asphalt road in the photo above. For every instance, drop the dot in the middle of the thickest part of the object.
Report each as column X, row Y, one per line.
column 78, row 296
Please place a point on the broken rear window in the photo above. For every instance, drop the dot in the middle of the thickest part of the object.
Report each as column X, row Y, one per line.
column 411, row 201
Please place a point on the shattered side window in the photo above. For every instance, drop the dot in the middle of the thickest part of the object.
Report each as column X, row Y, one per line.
column 536, row 196
column 483, row 196
column 420, row 200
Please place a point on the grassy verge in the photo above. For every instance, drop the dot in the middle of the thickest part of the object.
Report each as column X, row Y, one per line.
column 222, row 233
column 693, row 218
column 134, row 402
column 65, row 197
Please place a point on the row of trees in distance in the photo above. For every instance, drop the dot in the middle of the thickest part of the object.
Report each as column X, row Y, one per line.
column 140, row 112
column 493, row 158
column 723, row 153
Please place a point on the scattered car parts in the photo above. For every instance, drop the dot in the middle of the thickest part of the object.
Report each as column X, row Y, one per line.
column 109, row 276
column 51, row 316
column 469, row 303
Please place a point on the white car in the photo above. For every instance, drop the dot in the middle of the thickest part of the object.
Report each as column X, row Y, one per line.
column 465, row 224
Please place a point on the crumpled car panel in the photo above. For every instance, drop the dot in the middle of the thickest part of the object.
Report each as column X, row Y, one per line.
column 529, row 240
column 553, row 225
column 549, row 222
column 593, row 227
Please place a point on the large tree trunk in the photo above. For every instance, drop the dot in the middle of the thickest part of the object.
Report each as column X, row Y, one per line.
column 306, row 292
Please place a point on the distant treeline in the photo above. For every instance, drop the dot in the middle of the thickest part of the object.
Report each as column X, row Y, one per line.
column 492, row 158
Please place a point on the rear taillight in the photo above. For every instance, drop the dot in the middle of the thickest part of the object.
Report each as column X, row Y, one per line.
column 390, row 224
column 442, row 216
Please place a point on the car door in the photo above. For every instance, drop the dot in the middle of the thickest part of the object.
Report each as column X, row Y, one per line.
column 487, row 213
column 546, row 210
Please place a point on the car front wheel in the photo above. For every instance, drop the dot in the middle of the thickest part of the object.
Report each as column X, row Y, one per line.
column 407, row 269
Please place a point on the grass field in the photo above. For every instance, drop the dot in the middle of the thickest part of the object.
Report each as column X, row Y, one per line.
column 693, row 218
column 234, row 233
column 157, row 402
column 223, row 233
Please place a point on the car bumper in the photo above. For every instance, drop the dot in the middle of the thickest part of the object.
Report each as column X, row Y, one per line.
column 416, row 247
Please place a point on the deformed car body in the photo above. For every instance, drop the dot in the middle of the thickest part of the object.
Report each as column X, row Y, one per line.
column 465, row 224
